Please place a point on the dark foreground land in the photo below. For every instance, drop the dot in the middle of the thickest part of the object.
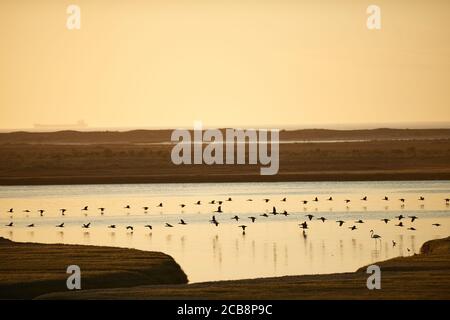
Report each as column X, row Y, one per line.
column 31, row 270
column 28, row 270
column 145, row 156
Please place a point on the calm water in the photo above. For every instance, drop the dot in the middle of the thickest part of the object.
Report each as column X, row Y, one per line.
column 272, row 246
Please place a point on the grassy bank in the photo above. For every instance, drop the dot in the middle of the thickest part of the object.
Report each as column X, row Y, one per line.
column 423, row 276
column 28, row 270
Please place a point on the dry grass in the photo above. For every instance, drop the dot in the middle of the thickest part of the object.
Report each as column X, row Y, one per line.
column 424, row 276
column 130, row 163
column 28, row 270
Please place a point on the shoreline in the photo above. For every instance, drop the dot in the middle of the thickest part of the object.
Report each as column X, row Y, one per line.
column 231, row 178
column 28, row 270
column 422, row 276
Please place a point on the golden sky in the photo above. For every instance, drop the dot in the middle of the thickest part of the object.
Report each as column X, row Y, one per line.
column 269, row 63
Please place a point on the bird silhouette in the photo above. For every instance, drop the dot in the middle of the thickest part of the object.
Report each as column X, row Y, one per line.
column 353, row 228
column 340, row 222
column 304, row 225
column 235, row 218
column 266, row 200
column 400, row 217
column 168, row 225
column 265, row 215
column 374, row 236
column 364, row 199
column 316, row 199
column 274, row 211
column 436, row 224
column 243, row 226
column 394, row 243
column 347, row 200
column 159, row 205
column 30, row 225
column 182, row 222
column 127, row 207
column 86, row 226
column 285, row 213
column 219, row 209
column 229, row 199
column 385, row 220
column 359, row 221
column 113, row 226
column 402, row 199
column 62, row 211
column 385, row 198
column 412, row 228
column 330, row 199
column 400, row 224
column 130, row 228
column 60, row 225
column 310, row 216
column 413, row 218
column 11, row 210
column 284, row 199
column 322, row 218
column 148, row 226
column 41, row 212
column 10, row 224
column 421, row 198
column 305, row 201
column 252, row 218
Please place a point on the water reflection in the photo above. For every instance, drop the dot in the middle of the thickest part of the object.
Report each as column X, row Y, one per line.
column 270, row 246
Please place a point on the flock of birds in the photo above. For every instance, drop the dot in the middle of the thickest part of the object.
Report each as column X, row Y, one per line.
column 304, row 225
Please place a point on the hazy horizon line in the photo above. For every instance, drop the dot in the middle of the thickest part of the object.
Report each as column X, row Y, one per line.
column 330, row 126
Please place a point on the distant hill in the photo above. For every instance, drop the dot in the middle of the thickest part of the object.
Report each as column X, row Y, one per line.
column 158, row 136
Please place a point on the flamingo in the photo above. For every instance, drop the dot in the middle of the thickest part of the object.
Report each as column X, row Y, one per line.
column 304, row 225
column 340, row 222
column 374, row 236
